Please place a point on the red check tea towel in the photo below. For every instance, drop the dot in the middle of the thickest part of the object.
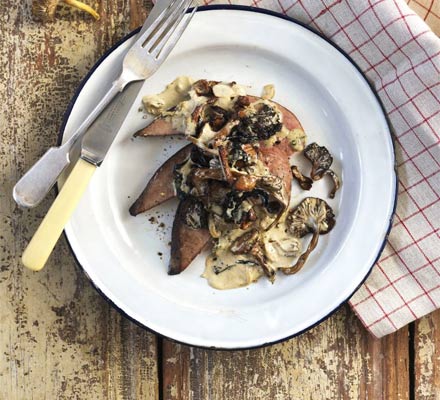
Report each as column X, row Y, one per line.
column 400, row 55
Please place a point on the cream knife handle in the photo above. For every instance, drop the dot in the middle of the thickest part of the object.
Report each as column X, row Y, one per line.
column 41, row 245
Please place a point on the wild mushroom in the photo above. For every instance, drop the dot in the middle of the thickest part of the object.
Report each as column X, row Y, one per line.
column 304, row 182
column 336, row 183
column 248, row 244
column 312, row 215
column 44, row 10
column 321, row 160
column 203, row 87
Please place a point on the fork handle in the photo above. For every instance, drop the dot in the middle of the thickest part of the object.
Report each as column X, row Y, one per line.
column 34, row 185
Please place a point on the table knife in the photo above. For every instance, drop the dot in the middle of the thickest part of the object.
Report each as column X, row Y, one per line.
column 94, row 148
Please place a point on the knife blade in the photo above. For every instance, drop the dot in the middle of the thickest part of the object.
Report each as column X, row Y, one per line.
column 102, row 132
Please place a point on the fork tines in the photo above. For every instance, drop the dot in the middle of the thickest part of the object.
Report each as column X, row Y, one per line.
column 157, row 40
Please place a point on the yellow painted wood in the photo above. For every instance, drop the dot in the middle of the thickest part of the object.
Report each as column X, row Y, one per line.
column 427, row 357
column 45, row 238
column 59, row 339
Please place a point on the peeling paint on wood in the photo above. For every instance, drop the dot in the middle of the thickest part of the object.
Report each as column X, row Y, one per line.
column 58, row 339
column 427, row 357
column 336, row 360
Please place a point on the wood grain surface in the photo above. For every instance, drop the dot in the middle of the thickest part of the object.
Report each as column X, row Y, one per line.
column 60, row 340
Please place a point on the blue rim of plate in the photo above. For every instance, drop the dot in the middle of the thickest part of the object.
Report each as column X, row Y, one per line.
column 286, row 18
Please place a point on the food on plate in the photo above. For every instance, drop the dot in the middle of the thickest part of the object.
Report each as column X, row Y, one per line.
column 321, row 160
column 189, row 235
column 314, row 216
column 234, row 182
column 160, row 187
column 304, row 181
column 44, row 10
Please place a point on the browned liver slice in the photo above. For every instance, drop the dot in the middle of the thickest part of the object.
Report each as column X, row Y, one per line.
column 186, row 242
column 160, row 188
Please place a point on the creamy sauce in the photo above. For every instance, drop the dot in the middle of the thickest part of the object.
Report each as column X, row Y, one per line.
column 268, row 92
column 238, row 276
column 281, row 248
column 174, row 93
column 225, row 270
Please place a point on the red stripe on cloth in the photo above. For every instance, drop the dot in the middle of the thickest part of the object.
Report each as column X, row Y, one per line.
column 418, row 123
column 402, row 306
column 374, row 293
column 343, row 27
column 392, row 284
column 421, row 63
column 420, row 211
column 414, row 97
column 427, row 9
column 401, row 249
column 311, row 19
column 385, row 315
column 413, row 276
column 418, row 154
column 405, row 20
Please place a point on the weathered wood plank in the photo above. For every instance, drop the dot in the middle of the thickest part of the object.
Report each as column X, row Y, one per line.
column 336, row 360
column 427, row 357
column 58, row 338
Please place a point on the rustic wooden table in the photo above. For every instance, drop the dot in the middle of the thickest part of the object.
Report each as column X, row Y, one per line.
column 60, row 340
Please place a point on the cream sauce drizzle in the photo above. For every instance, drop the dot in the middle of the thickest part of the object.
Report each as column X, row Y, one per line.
column 225, row 270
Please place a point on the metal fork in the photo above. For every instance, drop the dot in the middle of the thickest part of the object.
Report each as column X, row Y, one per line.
column 144, row 57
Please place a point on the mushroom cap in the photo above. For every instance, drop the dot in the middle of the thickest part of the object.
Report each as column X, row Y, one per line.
column 320, row 158
column 44, row 9
column 311, row 215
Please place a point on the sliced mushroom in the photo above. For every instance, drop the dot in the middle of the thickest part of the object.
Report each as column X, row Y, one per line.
column 217, row 117
column 321, row 160
column 203, row 87
column 246, row 183
column 248, row 244
column 244, row 243
column 199, row 178
column 260, row 257
column 304, row 181
column 312, row 215
column 223, row 155
column 336, row 183
column 237, row 204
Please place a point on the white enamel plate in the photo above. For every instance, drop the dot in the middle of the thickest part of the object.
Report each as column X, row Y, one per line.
column 126, row 257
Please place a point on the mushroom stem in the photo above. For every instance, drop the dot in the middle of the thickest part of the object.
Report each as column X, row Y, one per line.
column 258, row 255
column 303, row 258
column 304, row 182
column 223, row 155
column 84, row 7
column 336, row 183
